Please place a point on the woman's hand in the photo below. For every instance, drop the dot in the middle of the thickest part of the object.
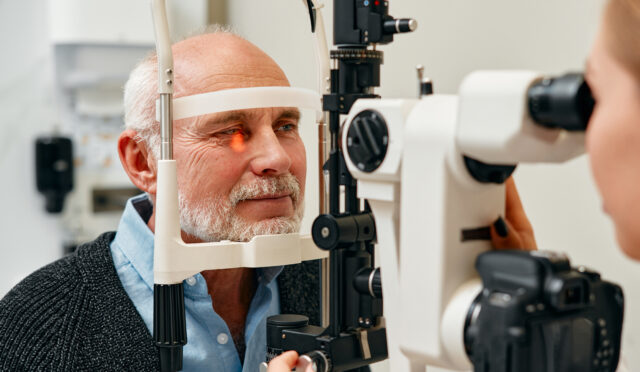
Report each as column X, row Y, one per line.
column 514, row 231
column 285, row 362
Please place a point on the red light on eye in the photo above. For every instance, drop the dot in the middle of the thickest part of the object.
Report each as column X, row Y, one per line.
column 237, row 142
column 376, row 3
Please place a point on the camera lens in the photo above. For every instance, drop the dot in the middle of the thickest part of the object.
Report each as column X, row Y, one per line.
column 564, row 102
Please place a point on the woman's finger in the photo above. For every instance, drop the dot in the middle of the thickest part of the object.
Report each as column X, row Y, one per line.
column 504, row 236
column 514, row 211
column 283, row 362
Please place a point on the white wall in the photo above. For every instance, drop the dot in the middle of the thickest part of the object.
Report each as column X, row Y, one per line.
column 455, row 37
column 30, row 238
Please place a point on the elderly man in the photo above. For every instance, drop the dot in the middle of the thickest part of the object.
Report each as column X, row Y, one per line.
column 240, row 174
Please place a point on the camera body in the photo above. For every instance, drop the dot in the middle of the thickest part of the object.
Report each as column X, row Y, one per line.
column 537, row 313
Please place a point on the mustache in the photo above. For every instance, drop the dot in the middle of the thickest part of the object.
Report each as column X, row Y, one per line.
column 266, row 186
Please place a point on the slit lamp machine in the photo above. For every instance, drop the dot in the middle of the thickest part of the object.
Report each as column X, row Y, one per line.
column 420, row 180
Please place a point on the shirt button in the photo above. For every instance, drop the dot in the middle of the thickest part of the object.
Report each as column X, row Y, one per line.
column 223, row 338
column 191, row 281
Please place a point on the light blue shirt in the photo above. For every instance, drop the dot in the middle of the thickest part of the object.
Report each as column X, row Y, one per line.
column 209, row 343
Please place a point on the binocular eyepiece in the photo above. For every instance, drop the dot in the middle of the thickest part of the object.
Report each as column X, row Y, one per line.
column 564, row 102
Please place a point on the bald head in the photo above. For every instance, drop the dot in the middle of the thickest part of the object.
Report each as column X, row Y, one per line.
column 212, row 62
column 204, row 63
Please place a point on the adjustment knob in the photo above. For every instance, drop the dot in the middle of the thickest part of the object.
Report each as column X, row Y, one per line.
column 368, row 281
column 400, row 25
column 316, row 361
column 367, row 140
column 331, row 232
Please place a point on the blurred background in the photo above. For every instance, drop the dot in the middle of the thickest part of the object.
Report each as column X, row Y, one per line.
column 65, row 62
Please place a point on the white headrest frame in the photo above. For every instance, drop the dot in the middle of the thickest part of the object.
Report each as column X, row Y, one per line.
column 246, row 98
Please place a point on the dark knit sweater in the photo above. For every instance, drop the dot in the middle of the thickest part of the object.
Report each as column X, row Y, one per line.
column 74, row 315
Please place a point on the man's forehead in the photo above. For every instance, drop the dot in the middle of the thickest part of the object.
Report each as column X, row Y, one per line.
column 217, row 78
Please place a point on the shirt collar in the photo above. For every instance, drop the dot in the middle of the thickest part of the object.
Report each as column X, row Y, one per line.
column 135, row 240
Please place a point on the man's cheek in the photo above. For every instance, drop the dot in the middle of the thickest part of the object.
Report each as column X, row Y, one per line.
column 298, row 156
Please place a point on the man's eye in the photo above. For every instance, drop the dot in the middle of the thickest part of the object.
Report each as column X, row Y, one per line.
column 287, row 127
column 231, row 131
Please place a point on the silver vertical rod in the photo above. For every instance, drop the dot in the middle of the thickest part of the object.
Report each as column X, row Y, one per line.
column 323, row 179
column 165, row 77
column 166, row 126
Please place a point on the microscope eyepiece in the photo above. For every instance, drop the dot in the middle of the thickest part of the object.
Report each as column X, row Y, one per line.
column 564, row 102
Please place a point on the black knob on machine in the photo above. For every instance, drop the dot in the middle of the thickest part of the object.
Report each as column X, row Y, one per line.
column 331, row 232
column 400, row 25
column 367, row 140
column 368, row 281
column 316, row 361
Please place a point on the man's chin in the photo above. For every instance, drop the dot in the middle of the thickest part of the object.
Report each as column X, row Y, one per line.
column 246, row 230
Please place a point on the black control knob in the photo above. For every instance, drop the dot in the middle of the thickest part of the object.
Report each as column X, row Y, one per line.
column 368, row 281
column 331, row 232
column 367, row 140
column 316, row 361
column 400, row 25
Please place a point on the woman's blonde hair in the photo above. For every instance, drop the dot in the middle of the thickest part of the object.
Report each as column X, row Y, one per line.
column 622, row 33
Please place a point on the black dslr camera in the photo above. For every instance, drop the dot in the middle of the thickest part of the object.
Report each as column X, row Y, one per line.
column 537, row 313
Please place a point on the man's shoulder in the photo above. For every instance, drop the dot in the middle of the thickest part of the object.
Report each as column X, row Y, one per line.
column 57, row 315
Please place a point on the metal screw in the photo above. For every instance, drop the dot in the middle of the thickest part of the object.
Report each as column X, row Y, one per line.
column 169, row 71
column 325, row 232
column 169, row 82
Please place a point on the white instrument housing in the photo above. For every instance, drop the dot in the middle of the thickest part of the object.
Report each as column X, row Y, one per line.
column 423, row 197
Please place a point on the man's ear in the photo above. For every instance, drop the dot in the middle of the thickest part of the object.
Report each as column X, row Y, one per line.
column 137, row 161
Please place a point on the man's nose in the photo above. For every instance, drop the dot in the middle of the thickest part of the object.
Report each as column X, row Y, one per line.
column 269, row 157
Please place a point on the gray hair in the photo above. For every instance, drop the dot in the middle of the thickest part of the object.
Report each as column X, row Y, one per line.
column 141, row 92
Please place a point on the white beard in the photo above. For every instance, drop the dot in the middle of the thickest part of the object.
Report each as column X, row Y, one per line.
column 216, row 219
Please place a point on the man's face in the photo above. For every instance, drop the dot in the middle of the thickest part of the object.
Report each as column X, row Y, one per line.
column 240, row 173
